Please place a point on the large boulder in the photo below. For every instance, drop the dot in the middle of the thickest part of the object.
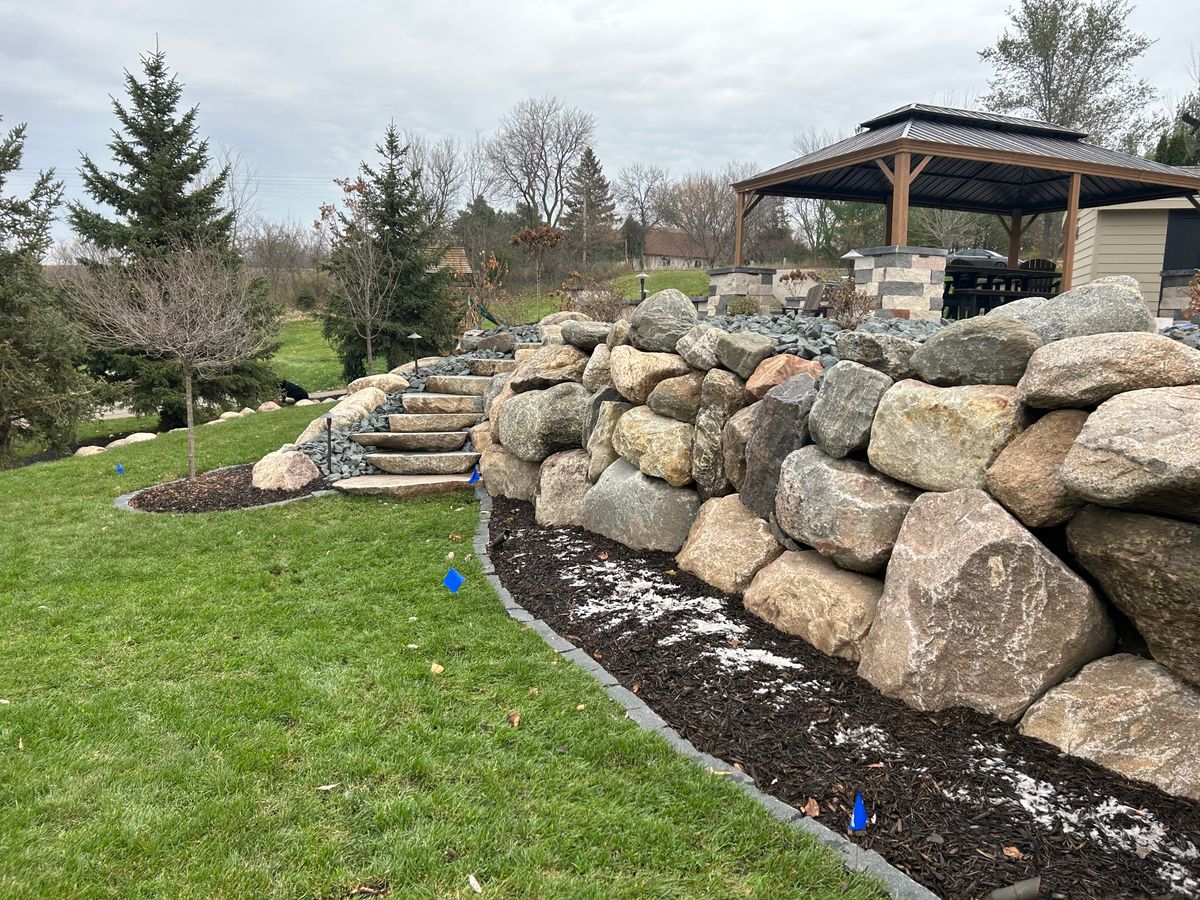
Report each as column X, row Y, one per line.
column 639, row 511
column 562, row 482
column 698, row 346
column 777, row 369
column 481, row 436
column 497, row 341
column 721, row 395
column 283, row 470
column 883, row 352
column 535, row 424
column 507, row 475
column 1084, row 371
column 600, row 448
column 552, row 364
column 562, row 317
column 496, row 405
column 677, row 398
column 1129, row 715
column 735, row 435
column 619, row 333
column 943, row 438
column 977, row 612
column 979, row 350
column 841, row 417
column 596, row 374
column 1027, row 475
column 661, row 320
column 1141, row 450
column 842, row 508
column 1103, row 306
column 657, row 445
column 636, row 373
column 1149, row 567
column 742, row 351
column 780, row 427
column 804, row 594
column 347, row 413
column 593, row 410
column 727, row 545
column 387, row 383
column 585, row 335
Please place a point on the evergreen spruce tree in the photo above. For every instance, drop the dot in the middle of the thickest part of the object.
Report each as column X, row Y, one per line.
column 43, row 390
column 590, row 210
column 385, row 204
column 157, row 201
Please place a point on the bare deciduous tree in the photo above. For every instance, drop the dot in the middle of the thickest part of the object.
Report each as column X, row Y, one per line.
column 239, row 195
column 639, row 190
column 441, row 166
column 478, row 179
column 286, row 252
column 703, row 205
column 189, row 306
column 815, row 219
column 538, row 144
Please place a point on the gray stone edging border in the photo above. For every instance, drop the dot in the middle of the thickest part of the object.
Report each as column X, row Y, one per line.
column 895, row 883
column 122, row 502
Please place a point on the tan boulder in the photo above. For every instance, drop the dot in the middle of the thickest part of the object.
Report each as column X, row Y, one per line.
column 561, row 485
column 388, row 383
column 677, row 398
column 481, row 436
column 1027, row 478
column 600, row 442
column 777, row 369
column 658, row 446
column 552, row 364
column 507, row 475
column 268, row 406
column 804, row 594
column 506, row 394
column 596, row 374
column 348, row 412
column 283, row 470
column 227, row 415
column 636, row 373
column 727, row 545
column 735, row 435
column 566, row 315
column 89, row 451
column 423, row 362
column 140, row 437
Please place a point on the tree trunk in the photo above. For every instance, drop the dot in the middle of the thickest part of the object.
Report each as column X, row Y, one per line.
column 370, row 354
column 191, row 422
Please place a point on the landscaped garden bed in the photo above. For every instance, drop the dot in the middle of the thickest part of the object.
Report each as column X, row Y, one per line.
column 962, row 803
column 221, row 489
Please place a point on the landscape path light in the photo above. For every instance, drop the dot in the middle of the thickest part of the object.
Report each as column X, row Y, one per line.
column 414, row 337
column 642, row 278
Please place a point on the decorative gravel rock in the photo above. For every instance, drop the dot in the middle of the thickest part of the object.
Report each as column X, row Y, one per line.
column 535, row 424
column 807, row 595
column 661, row 320
column 552, row 364
column 1084, row 371
column 638, row 511
column 742, row 352
column 657, row 445
column 351, row 410
column 1129, row 715
column 636, row 373
column 1027, row 475
column 283, row 471
column 977, row 612
column 979, row 350
column 941, row 439
column 596, row 374
column 885, row 353
column 735, row 435
column 677, row 398
column 1141, row 450
column 601, row 452
column 698, row 346
column 1149, row 567
column 841, row 417
column 585, row 335
column 507, row 475
column 780, row 427
column 842, row 508
column 721, row 395
column 562, row 482
column 727, row 545
column 1104, row 305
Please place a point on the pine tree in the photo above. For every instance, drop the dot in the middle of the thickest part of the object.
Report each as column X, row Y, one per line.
column 590, row 210
column 43, row 392
column 159, row 201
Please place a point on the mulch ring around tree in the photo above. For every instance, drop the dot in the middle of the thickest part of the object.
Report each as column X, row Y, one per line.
column 961, row 803
column 220, row 489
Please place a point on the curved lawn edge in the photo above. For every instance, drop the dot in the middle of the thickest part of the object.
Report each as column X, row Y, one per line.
column 857, row 859
column 124, row 502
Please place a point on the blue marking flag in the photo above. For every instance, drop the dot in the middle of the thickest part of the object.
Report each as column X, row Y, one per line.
column 120, row 469
column 453, row 581
column 474, row 475
column 858, row 821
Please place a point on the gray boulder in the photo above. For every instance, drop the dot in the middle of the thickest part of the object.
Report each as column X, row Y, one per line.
column 885, row 353
column 742, row 351
column 1103, row 306
column 497, row 341
column 699, row 346
column 780, row 427
column 721, row 395
column 980, row 350
column 841, row 417
column 585, row 335
column 592, row 416
column 639, row 511
column 551, row 364
column 597, row 374
column 535, row 424
column 661, row 320
column 735, row 435
column 507, row 475
column 678, row 398
column 601, row 453
column 561, row 485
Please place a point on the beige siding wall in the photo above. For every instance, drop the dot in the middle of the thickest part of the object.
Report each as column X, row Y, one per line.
column 1085, row 243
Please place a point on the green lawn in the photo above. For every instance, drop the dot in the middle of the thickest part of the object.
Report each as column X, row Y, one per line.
column 241, row 704
column 306, row 359
column 690, row 281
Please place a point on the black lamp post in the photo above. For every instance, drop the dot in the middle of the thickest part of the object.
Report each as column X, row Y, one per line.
column 642, row 277
column 414, row 337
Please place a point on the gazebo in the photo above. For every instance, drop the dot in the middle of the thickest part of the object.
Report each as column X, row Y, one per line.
column 933, row 156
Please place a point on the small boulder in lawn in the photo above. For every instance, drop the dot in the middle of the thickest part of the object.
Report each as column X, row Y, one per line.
column 699, row 346
column 943, row 438
column 842, row 508
column 507, row 475
column 804, row 594
column 976, row 612
column 1027, row 475
column 1127, row 714
column 601, row 453
column 1102, row 306
column 721, row 395
column 562, row 482
column 979, row 350
column 841, row 417
column 535, row 424
column 90, row 450
column 735, row 435
column 661, row 320
column 552, row 364
column 386, row 382
column 639, row 511
column 596, row 373
column 657, row 445
column 283, row 471
column 636, row 373
column 677, row 398
column 885, row 353
column 1084, row 371
column 1149, row 567
column 1140, row 450
column 727, row 545
column 585, row 335
column 780, row 427
column 271, row 406
column 777, row 369
column 742, row 351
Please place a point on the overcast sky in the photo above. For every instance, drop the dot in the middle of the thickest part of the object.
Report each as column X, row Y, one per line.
column 303, row 89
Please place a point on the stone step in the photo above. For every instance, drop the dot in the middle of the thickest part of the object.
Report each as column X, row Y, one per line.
column 426, row 422
column 413, row 440
column 424, row 463
column 475, row 385
column 491, row 367
column 404, row 487
column 427, row 402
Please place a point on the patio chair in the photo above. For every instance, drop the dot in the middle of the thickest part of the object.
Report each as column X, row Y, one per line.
column 1044, row 284
column 812, row 301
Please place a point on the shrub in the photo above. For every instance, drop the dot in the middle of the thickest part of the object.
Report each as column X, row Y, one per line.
column 306, row 301
column 743, row 306
column 849, row 306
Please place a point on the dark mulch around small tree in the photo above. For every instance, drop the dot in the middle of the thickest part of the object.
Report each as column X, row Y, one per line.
column 962, row 803
column 214, row 491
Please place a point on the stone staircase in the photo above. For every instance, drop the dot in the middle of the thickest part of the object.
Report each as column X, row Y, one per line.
column 426, row 448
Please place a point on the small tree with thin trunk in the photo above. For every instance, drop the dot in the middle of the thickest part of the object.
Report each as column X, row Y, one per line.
column 190, row 307
column 537, row 242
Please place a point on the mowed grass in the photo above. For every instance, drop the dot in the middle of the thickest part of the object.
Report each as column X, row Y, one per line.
column 306, row 359
column 241, row 704
column 690, row 281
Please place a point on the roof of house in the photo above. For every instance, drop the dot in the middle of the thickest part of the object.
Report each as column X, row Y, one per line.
column 455, row 259
column 978, row 162
column 672, row 242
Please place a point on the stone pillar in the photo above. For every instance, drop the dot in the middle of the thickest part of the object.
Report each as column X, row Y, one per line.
column 1173, row 299
column 908, row 282
column 730, row 282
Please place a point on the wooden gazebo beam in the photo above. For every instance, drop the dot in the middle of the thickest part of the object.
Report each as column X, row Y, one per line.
column 1070, row 226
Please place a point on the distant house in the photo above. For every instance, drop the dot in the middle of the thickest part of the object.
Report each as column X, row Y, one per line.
column 670, row 248
column 455, row 259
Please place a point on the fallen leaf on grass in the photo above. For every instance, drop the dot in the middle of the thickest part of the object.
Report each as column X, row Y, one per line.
column 533, row 692
column 20, row 743
column 4, row 702
column 812, row 808
column 329, row 787
column 437, row 669
column 456, row 537
column 369, row 889
column 413, row 646
column 581, row 706
column 474, row 882
column 1013, row 853
column 514, row 719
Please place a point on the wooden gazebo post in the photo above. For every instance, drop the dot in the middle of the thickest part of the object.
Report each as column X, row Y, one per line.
column 1014, row 240
column 1070, row 224
column 739, row 224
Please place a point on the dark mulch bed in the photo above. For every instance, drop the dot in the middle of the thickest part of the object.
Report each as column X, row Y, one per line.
column 960, row 802
column 52, row 455
column 220, row 489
